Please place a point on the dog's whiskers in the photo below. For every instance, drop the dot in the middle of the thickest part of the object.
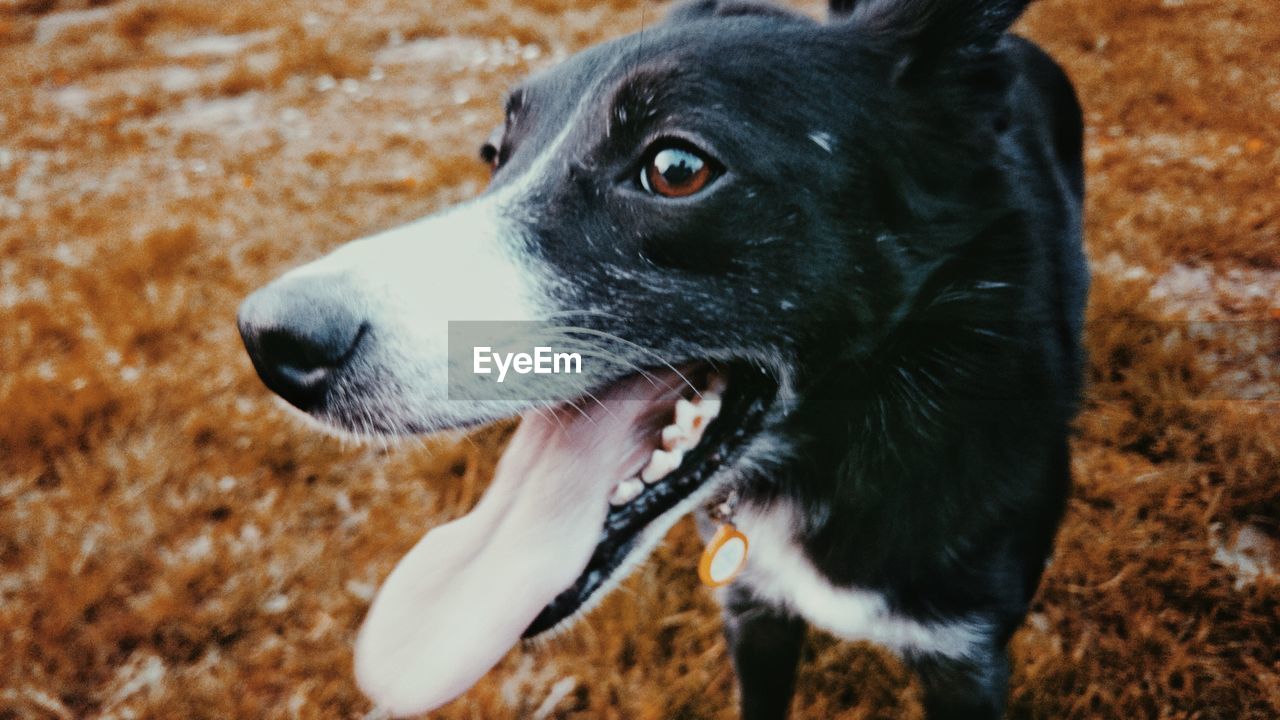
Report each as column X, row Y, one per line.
column 623, row 341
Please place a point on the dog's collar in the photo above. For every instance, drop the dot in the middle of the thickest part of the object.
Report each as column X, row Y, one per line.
column 726, row 553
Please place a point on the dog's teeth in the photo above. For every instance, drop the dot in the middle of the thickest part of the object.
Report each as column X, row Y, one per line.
column 626, row 491
column 708, row 409
column 685, row 414
column 710, row 406
column 661, row 464
column 674, row 436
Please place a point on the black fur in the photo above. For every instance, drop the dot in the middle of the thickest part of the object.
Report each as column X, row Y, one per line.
column 924, row 283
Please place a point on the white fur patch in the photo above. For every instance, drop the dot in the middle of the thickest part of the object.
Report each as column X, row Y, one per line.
column 779, row 572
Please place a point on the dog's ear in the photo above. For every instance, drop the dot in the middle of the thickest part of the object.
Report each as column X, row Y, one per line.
column 927, row 32
column 699, row 9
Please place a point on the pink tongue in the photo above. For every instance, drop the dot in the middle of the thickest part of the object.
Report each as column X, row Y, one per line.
column 463, row 596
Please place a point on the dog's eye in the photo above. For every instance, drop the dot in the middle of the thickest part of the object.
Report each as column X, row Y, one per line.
column 674, row 171
column 491, row 150
column 490, row 156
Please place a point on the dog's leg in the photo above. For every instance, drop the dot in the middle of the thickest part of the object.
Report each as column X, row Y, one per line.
column 766, row 644
column 969, row 689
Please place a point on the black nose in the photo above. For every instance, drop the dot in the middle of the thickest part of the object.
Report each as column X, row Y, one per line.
column 299, row 332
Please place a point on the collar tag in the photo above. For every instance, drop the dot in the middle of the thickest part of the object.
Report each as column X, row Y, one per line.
column 724, row 557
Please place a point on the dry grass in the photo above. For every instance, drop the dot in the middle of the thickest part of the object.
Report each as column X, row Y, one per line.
column 174, row 545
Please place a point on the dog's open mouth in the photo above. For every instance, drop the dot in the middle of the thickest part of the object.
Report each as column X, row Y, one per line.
column 704, row 428
column 581, row 493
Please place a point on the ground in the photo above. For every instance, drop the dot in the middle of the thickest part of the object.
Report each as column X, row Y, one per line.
column 172, row 544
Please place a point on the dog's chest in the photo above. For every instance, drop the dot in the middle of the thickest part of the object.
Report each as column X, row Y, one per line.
column 780, row 573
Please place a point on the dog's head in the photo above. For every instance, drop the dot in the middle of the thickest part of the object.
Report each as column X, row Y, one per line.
column 718, row 211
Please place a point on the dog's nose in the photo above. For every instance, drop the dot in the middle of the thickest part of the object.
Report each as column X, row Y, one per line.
column 299, row 332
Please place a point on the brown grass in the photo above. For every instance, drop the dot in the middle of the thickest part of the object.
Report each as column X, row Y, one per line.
column 173, row 545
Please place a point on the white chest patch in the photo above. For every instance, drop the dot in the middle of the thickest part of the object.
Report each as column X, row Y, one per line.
column 779, row 572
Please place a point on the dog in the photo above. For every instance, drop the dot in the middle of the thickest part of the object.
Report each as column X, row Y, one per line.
column 835, row 273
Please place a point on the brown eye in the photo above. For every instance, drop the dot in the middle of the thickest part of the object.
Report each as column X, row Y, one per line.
column 675, row 172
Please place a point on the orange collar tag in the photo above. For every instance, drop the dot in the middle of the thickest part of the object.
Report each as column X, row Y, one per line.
column 724, row 557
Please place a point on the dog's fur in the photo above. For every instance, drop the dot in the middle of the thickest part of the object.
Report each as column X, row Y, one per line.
column 895, row 236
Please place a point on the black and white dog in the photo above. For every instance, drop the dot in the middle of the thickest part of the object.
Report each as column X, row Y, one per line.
column 835, row 268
